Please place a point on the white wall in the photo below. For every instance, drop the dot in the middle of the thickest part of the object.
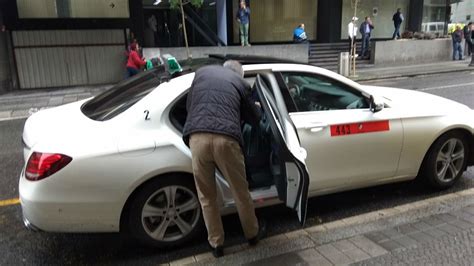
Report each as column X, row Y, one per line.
column 460, row 11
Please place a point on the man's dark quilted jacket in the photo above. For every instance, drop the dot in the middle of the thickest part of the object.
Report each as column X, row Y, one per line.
column 219, row 99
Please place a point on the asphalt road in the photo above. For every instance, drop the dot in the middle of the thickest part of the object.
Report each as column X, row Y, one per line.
column 20, row 246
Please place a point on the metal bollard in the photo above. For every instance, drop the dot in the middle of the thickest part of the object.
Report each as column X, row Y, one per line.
column 344, row 64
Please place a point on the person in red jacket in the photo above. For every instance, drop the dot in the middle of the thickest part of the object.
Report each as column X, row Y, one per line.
column 134, row 62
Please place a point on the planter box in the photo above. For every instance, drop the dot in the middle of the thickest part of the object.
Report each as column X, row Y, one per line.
column 296, row 52
column 402, row 52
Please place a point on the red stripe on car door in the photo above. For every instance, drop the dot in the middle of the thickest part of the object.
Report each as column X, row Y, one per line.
column 359, row 128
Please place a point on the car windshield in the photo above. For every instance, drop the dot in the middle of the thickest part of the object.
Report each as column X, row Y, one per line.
column 125, row 94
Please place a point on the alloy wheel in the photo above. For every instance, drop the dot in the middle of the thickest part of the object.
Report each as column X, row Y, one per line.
column 170, row 213
column 450, row 160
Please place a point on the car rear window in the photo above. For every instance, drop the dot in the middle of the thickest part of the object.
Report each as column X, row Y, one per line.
column 119, row 98
column 122, row 96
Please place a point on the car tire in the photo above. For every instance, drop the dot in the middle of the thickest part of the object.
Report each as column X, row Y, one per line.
column 165, row 212
column 446, row 160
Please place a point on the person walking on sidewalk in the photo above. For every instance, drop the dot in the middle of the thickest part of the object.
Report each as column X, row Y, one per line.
column 457, row 36
column 134, row 62
column 397, row 21
column 243, row 17
column 470, row 39
column 466, row 32
column 219, row 99
column 366, row 29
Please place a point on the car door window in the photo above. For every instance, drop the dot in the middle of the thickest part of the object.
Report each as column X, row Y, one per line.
column 319, row 93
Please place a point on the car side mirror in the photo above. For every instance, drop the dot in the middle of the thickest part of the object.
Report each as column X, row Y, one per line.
column 376, row 105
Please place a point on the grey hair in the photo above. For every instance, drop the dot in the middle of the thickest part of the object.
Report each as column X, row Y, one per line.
column 234, row 66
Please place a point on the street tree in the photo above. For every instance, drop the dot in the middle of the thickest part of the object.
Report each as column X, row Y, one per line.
column 352, row 62
column 178, row 4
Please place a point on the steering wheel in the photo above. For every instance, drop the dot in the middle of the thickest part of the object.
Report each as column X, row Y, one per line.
column 295, row 90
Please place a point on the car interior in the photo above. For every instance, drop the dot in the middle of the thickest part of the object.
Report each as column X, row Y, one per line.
column 318, row 94
column 260, row 149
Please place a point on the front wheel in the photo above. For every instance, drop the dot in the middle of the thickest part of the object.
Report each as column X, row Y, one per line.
column 446, row 160
column 165, row 212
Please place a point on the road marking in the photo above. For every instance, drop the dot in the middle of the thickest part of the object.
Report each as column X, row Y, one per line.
column 9, row 202
column 447, row 86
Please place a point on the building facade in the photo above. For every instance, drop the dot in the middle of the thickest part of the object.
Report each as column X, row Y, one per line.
column 72, row 42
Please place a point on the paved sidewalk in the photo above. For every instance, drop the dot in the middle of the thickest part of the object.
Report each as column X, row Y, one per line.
column 436, row 231
column 20, row 104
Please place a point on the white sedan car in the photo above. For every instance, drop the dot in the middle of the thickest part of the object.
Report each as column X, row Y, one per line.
column 117, row 162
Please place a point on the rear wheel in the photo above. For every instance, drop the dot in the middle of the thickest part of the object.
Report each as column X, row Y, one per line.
column 446, row 160
column 165, row 212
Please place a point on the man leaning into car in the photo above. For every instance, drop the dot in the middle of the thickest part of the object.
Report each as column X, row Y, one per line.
column 218, row 100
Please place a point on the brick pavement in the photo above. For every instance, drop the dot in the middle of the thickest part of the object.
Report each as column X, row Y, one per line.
column 405, row 234
column 20, row 104
column 442, row 239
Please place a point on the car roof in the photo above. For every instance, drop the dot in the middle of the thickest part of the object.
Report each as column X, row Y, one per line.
column 253, row 59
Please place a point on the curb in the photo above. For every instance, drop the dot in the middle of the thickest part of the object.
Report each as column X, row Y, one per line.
column 394, row 76
column 15, row 114
column 329, row 232
column 20, row 114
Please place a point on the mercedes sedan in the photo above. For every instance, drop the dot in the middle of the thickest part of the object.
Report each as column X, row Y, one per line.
column 117, row 161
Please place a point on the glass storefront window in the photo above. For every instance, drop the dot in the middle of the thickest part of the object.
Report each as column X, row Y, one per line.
column 73, row 9
column 380, row 11
column 434, row 16
column 275, row 20
column 164, row 28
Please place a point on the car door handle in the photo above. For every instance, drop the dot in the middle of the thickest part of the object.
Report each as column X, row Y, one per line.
column 315, row 126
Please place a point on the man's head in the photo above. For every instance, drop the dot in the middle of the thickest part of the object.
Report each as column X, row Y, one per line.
column 302, row 26
column 242, row 4
column 354, row 19
column 458, row 27
column 234, row 66
column 399, row 10
column 367, row 18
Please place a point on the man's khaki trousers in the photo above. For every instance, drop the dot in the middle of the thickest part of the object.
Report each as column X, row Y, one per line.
column 211, row 151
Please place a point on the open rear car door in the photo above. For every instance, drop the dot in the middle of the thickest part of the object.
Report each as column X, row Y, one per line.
column 293, row 181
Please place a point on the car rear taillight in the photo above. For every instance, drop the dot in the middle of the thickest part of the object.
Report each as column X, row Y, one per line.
column 41, row 165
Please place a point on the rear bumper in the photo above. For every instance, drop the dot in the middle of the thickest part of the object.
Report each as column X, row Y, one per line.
column 47, row 208
column 29, row 225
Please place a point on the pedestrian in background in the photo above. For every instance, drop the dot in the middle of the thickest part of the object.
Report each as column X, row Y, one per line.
column 397, row 21
column 243, row 17
column 218, row 100
column 457, row 36
column 470, row 39
column 134, row 62
column 466, row 32
column 365, row 30
column 352, row 33
column 299, row 35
